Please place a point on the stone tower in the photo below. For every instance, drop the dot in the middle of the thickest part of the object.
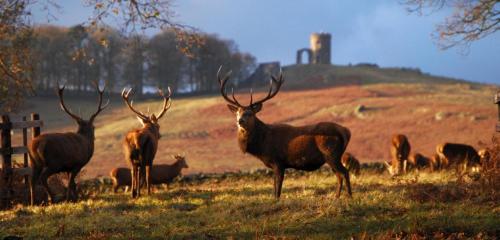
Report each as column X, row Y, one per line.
column 321, row 48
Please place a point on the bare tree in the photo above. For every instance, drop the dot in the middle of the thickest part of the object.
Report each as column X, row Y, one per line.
column 471, row 19
column 15, row 55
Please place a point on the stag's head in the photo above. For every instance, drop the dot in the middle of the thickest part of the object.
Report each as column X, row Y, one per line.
column 152, row 119
column 85, row 127
column 246, row 114
column 181, row 160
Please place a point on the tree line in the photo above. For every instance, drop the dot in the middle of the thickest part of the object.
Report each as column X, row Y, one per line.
column 77, row 57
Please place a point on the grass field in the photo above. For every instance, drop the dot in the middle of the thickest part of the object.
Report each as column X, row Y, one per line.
column 240, row 206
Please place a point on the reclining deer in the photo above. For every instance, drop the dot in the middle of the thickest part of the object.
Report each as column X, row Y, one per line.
column 281, row 146
column 140, row 145
column 69, row 152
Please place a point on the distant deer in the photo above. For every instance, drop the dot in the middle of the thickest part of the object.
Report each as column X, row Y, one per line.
column 140, row 145
column 419, row 161
column 160, row 173
column 400, row 149
column 351, row 163
column 281, row 146
column 52, row 153
column 457, row 154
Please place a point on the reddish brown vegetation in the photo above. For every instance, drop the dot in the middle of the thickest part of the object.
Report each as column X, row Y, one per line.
column 281, row 146
column 63, row 152
column 140, row 145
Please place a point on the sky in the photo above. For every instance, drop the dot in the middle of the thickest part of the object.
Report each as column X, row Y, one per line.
column 374, row 31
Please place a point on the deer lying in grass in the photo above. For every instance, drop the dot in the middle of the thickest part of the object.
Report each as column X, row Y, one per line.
column 400, row 149
column 459, row 155
column 160, row 174
column 418, row 161
column 140, row 145
column 281, row 146
column 351, row 163
column 52, row 153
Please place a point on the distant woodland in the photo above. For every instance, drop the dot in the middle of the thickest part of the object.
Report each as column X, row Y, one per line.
column 77, row 58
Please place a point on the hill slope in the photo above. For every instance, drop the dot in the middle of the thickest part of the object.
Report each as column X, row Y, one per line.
column 203, row 128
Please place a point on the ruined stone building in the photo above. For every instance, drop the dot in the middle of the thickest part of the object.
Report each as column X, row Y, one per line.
column 319, row 51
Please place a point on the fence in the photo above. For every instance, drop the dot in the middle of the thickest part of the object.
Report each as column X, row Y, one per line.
column 7, row 150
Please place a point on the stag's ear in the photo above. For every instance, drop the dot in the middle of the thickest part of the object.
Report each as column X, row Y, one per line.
column 232, row 108
column 256, row 107
column 154, row 118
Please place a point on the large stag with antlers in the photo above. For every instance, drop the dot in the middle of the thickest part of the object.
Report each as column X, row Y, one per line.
column 281, row 146
column 64, row 152
column 140, row 145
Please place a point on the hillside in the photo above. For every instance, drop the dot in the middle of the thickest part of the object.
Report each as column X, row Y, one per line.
column 429, row 110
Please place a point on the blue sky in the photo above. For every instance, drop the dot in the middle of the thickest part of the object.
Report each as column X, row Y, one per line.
column 375, row 31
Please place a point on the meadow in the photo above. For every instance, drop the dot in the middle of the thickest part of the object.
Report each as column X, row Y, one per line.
column 420, row 205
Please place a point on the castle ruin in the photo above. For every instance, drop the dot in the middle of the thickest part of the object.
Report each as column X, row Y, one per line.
column 319, row 51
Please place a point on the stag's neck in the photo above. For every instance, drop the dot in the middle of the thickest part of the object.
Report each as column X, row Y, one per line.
column 89, row 136
column 252, row 141
column 152, row 129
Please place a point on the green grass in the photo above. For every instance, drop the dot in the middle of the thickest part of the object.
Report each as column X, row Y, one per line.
column 241, row 206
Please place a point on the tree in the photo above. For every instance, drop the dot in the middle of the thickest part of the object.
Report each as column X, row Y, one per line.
column 471, row 19
column 16, row 60
column 15, row 55
column 165, row 60
column 134, row 58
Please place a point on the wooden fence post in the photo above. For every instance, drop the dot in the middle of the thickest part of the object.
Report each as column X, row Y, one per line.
column 6, row 146
column 25, row 156
column 36, row 130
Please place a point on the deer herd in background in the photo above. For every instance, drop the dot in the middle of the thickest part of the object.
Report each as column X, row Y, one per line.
column 278, row 146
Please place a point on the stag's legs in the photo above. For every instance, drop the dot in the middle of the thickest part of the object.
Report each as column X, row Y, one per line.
column 34, row 181
column 342, row 174
column 332, row 151
column 148, row 179
column 71, row 192
column 134, row 180
column 279, row 175
column 44, row 176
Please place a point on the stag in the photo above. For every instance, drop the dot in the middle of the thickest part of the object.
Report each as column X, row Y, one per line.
column 69, row 152
column 400, row 149
column 281, row 146
column 140, row 145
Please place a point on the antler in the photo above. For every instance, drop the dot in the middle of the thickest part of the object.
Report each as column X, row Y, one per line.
column 271, row 93
column 99, row 107
column 167, row 102
column 125, row 96
column 60, row 92
column 222, row 83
